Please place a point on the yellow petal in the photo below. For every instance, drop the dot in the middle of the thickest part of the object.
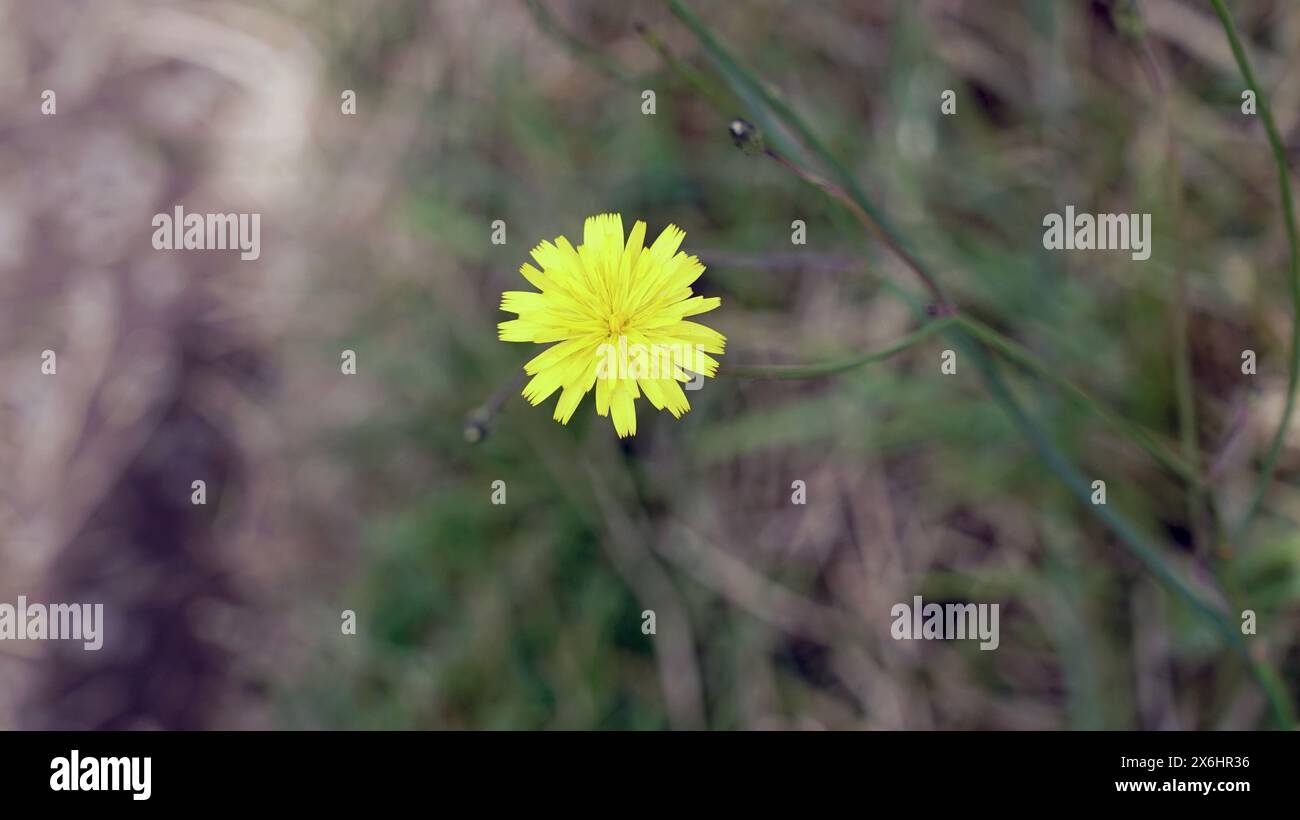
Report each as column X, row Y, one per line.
column 623, row 411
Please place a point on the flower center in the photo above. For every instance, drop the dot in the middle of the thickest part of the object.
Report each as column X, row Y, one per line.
column 616, row 325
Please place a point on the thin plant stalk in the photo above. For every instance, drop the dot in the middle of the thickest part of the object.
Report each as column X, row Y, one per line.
column 1293, row 272
column 812, row 371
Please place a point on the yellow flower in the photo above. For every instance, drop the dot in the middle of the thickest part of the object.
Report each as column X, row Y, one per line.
column 617, row 311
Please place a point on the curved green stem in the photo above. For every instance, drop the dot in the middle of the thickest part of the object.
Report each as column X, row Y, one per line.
column 1288, row 212
column 813, row 371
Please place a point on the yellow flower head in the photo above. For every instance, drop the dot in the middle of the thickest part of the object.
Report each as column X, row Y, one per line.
column 617, row 310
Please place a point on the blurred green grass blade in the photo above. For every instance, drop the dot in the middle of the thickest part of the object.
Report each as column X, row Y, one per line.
column 583, row 51
column 703, row 85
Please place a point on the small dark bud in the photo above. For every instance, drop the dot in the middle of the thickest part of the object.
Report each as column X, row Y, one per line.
column 746, row 136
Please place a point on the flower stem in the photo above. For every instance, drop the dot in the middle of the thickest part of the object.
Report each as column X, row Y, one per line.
column 479, row 420
column 813, row 371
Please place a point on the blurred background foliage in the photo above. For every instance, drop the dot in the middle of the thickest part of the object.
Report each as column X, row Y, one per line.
column 769, row 614
column 772, row 614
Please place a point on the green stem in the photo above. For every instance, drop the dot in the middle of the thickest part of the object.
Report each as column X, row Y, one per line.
column 812, row 371
column 1288, row 211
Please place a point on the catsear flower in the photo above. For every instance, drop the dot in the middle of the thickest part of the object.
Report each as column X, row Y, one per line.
column 616, row 312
